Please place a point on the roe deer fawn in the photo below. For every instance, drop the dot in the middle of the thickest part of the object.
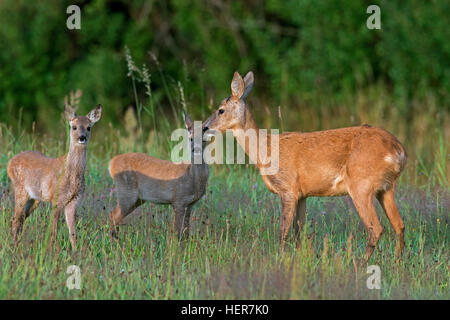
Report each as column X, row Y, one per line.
column 362, row 162
column 60, row 181
column 139, row 177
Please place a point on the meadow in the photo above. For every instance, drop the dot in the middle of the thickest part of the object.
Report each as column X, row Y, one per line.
column 316, row 67
column 233, row 250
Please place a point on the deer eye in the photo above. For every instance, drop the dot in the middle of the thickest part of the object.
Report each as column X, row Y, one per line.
column 74, row 128
column 221, row 111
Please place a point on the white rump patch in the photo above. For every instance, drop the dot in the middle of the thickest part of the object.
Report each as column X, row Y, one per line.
column 337, row 180
column 31, row 193
column 390, row 159
column 109, row 168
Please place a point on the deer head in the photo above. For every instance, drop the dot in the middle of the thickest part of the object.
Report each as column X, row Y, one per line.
column 231, row 111
column 80, row 126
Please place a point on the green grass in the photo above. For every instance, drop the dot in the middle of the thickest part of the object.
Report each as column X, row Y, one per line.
column 233, row 251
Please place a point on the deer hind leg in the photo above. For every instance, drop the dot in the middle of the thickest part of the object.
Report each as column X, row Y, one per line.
column 127, row 202
column 288, row 208
column 364, row 205
column 21, row 206
column 387, row 201
column 31, row 208
column 70, row 211
column 299, row 220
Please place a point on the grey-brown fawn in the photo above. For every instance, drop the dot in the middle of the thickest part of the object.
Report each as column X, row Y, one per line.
column 60, row 181
column 139, row 177
column 363, row 162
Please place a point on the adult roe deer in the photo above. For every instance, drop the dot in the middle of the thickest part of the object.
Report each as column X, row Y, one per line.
column 139, row 177
column 59, row 181
column 362, row 162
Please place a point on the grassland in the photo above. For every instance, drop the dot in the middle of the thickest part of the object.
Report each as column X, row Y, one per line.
column 233, row 251
column 360, row 76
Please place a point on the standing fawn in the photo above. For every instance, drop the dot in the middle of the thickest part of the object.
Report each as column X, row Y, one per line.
column 59, row 181
column 139, row 177
column 362, row 162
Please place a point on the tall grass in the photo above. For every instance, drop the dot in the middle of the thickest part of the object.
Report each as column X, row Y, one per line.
column 233, row 251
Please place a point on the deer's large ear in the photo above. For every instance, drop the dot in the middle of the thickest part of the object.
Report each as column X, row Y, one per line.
column 69, row 112
column 237, row 85
column 95, row 114
column 188, row 121
column 248, row 81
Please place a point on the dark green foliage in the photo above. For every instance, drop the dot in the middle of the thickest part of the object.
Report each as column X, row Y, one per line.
column 299, row 50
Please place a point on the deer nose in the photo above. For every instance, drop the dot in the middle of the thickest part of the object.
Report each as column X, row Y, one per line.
column 82, row 139
column 205, row 129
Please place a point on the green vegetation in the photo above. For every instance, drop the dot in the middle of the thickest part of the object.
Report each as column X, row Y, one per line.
column 233, row 251
column 317, row 61
column 237, row 216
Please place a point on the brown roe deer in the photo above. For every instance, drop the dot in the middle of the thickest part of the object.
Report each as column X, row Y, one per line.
column 362, row 162
column 139, row 177
column 36, row 177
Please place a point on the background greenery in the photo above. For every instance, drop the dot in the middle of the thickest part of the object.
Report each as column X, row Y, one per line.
column 305, row 55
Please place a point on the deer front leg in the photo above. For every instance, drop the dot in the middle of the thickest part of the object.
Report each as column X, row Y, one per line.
column 70, row 212
column 182, row 216
column 288, row 207
column 55, row 217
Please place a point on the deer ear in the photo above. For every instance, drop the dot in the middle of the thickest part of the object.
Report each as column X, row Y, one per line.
column 95, row 114
column 69, row 113
column 249, row 81
column 237, row 85
column 188, row 121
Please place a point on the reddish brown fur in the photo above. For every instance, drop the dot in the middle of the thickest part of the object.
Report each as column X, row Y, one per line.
column 362, row 162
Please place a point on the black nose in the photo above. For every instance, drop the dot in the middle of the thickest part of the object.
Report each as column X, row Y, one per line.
column 205, row 129
column 82, row 139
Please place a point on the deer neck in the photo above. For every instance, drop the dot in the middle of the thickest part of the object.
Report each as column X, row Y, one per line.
column 243, row 133
column 198, row 169
column 75, row 164
column 199, row 174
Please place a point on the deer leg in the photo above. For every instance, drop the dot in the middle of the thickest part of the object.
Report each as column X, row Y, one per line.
column 70, row 211
column 31, row 208
column 288, row 208
column 115, row 217
column 366, row 210
column 127, row 200
column 387, row 201
column 127, row 203
column 182, row 217
column 56, row 214
column 21, row 202
column 299, row 221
